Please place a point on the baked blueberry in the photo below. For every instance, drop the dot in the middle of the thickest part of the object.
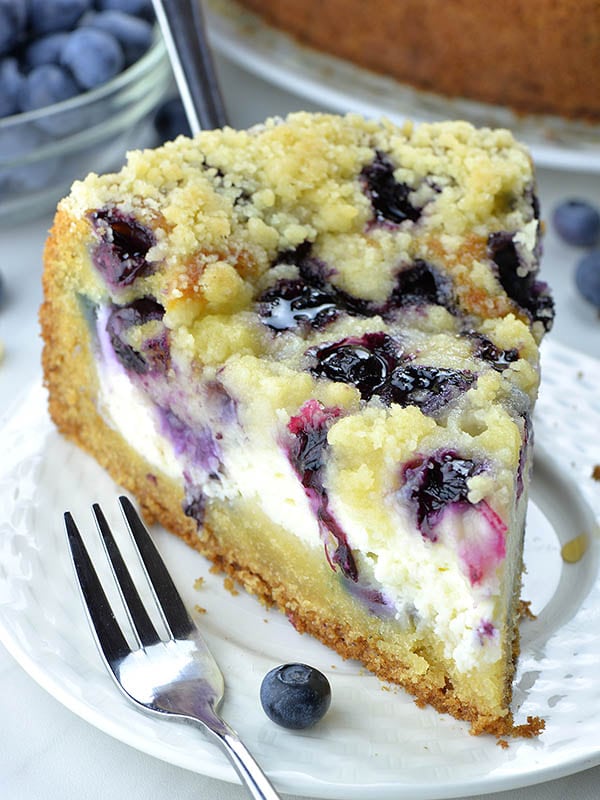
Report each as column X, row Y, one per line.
column 290, row 303
column 194, row 504
column 429, row 388
column 518, row 281
column 433, row 484
column 376, row 366
column 486, row 350
column 390, row 199
column 124, row 242
column 295, row 696
column 154, row 353
column 421, row 283
column 365, row 363
column 309, row 441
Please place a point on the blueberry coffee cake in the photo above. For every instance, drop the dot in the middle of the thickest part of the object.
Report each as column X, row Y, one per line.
column 533, row 56
column 311, row 350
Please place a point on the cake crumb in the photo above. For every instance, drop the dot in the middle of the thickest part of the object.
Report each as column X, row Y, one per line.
column 525, row 611
column 503, row 744
column 532, row 728
column 198, row 583
column 575, row 549
column 199, row 609
column 596, row 472
column 229, row 584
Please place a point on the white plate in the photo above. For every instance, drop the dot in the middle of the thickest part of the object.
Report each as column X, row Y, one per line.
column 374, row 742
column 341, row 86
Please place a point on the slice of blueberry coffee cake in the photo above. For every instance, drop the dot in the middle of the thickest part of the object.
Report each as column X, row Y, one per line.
column 310, row 350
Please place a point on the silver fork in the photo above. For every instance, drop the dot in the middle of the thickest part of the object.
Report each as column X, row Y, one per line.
column 174, row 677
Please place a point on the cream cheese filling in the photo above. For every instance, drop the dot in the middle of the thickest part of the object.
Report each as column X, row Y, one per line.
column 413, row 573
column 261, row 474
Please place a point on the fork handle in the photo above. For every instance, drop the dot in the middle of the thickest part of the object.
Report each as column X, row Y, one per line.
column 184, row 33
column 253, row 778
column 242, row 760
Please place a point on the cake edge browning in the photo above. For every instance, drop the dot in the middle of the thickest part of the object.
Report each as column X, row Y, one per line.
column 437, row 48
column 70, row 377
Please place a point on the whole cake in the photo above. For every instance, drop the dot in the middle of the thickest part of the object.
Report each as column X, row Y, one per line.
column 535, row 56
column 310, row 349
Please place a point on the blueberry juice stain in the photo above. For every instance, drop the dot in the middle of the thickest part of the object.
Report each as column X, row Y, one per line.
column 306, row 453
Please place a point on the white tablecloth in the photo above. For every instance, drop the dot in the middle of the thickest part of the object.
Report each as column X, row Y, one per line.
column 46, row 752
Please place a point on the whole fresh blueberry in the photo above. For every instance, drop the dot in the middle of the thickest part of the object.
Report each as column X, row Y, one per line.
column 45, row 50
column 11, row 83
column 577, row 222
column 134, row 34
column 31, row 175
column 13, row 21
column 139, row 8
column 295, row 696
column 46, row 85
column 93, row 56
column 170, row 120
column 49, row 16
column 587, row 277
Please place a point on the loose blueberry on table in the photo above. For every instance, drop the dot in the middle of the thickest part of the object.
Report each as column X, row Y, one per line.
column 587, row 277
column 295, row 696
column 577, row 222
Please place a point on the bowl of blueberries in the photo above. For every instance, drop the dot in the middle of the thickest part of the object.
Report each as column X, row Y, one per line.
column 80, row 83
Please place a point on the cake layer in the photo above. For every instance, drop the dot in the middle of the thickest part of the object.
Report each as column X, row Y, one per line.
column 310, row 349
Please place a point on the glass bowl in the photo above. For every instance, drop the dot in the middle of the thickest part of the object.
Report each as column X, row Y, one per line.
column 43, row 151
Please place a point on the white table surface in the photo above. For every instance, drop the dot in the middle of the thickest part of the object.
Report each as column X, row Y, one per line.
column 45, row 750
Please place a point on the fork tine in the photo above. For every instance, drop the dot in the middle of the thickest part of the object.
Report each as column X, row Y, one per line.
column 138, row 617
column 108, row 634
column 174, row 613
